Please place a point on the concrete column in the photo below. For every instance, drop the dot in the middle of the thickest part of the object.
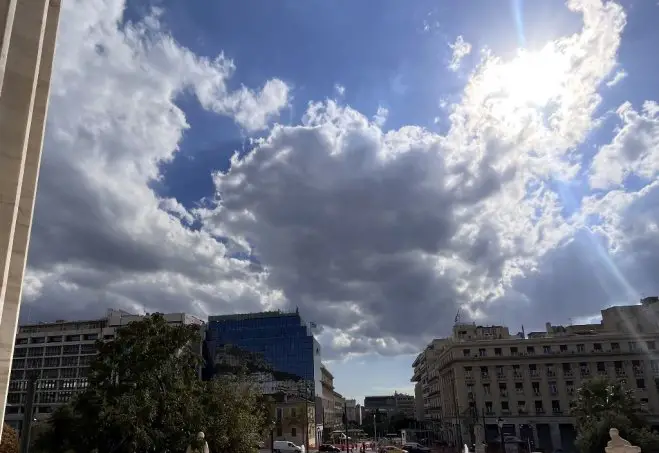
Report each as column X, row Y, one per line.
column 24, row 97
column 7, row 12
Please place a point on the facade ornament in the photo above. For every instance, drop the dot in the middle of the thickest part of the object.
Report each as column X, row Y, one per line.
column 619, row 445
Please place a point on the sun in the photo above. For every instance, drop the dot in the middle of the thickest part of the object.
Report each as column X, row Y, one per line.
column 530, row 79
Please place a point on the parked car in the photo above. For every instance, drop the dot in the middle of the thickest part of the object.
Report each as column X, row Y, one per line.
column 391, row 449
column 284, row 446
column 329, row 448
column 415, row 447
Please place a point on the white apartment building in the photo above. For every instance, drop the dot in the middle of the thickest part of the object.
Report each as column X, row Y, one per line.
column 482, row 374
column 58, row 354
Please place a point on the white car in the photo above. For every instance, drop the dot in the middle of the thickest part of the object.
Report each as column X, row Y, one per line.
column 284, row 446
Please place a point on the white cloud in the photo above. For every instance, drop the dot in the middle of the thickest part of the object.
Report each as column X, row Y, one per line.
column 340, row 89
column 381, row 116
column 461, row 49
column 359, row 226
column 617, row 78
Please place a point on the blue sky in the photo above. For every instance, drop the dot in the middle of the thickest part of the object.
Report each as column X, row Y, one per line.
column 496, row 159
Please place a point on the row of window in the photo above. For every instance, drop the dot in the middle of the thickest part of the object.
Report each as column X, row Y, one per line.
column 61, row 338
column 633, row 346
column 55, row 350
column 51, row 362
column 51, row 373
column 43, row 398
column 538, row 407
column 49, row 384
column 567, row 369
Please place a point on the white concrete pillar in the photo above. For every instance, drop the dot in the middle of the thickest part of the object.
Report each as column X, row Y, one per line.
column 7, row 12
column 23, row 108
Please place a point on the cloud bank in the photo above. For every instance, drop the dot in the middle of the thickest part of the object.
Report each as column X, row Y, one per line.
column 380, row 236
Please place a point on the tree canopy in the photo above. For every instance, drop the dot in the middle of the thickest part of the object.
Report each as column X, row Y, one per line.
column 144, row 395
column 601, row 404
column 10, row 442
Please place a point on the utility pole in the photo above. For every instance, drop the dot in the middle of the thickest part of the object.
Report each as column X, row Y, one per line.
column 375, row 428
column 345, row 421
column 26, row 427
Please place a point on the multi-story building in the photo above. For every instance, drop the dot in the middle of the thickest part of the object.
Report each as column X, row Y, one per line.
column 390, row 405
column 331, row 417
column 351, row 410
column 483, row 376
column 295, row 421
column 58, row 355
column 282, row 340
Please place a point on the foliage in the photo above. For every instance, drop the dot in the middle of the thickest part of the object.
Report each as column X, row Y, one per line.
column 144, row 395
column 601, row 404
column 10, row 441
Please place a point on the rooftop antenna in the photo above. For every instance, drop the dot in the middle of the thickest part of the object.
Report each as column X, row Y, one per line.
column 457, row 317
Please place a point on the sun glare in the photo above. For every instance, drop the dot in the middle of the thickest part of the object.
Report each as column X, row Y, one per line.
column 532, row 78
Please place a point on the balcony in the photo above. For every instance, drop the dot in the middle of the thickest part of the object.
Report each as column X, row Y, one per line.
column 504, row 394
column 638, row 371
column 518, row 376
column 501, row 376
column 551, row 373
column 620, row 372
column 539, row 410
column 485, row 377
column 568, row 373
column 522, row 411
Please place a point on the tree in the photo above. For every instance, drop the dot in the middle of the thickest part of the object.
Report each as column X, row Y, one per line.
column 144, row 395
column 9, row 442
column 601, row 404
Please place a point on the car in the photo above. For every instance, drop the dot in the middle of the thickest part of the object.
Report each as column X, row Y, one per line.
column 391, row 449
column 284, row 446
column 415, row 447
column 329, row 447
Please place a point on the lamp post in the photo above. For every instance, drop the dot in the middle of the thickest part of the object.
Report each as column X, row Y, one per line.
column 503, row 444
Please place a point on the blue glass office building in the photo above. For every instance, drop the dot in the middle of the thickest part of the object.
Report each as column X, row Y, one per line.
column 283, row 340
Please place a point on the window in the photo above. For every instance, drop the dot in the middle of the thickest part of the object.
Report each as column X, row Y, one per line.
column 504, row 406
column 293, row 432
column 513, row 351
column 482, row 352
column 519, row 388
column 466, row 352
column 91, row 336
column 615, row 346
column 467, row 372
column 651, row 345
column 597, row 347
column 535, row 386
column 293, row 412
column 279, row 431
column 640, row 383
column 498, row 352
column 521, row 407
column 279, row 414
column 488, row 407
column 73, row 338
column 546, row 349
column 633, row 346
column 530, row 350
column 38, row 340
column 563, row 348
column 503, row 390
column 21, row 340
column 55, row 339
column 484, row 372
column 553, row 389
column 538, row 407
column 556, row 407
column 581, row 348
column 486, row 389
column 569, row 386
column 500, row 371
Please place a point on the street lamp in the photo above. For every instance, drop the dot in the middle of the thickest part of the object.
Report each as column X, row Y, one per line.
column 503, row 445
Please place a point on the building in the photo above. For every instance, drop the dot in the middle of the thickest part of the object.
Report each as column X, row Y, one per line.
column 483, row 374
column 28, row 32
column 351, row 411
column 295, row 422
column 281, row 340
column 390, row 405
column 332, row 403
column 59, row 354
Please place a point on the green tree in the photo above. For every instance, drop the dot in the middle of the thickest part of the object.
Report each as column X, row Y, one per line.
column 601, row 404
column 144, row 395
column 9, row 442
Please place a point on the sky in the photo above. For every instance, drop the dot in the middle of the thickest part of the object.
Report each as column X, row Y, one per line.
column 382, row 166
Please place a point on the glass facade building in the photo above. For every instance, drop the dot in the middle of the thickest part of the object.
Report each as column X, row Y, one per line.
column 282, row 340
